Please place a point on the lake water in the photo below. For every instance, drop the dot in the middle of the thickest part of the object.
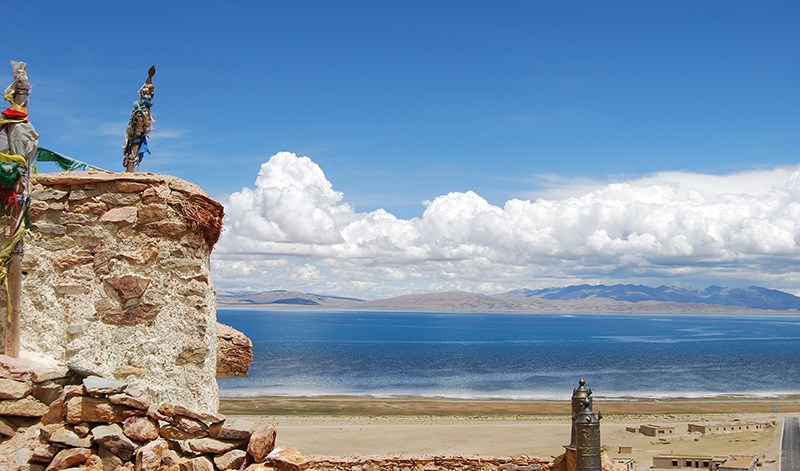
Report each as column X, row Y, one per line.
column 473, row 355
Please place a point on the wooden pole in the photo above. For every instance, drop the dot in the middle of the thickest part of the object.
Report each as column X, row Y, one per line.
column 12, row 319
column 130, row 159
column 12, row 333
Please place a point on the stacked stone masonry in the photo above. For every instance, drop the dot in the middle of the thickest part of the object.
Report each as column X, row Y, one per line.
column 52, row 419
column 117, row 283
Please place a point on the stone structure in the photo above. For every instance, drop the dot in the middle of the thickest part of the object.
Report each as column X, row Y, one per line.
column 584, row 452
column 688, row 461
column 739, row 463
column 579, row 394
column 652, row 430
column 117, row 282
column 48, row 422
column 587, row 439
column 234, row 352
column 96, row 424
column 729, row 427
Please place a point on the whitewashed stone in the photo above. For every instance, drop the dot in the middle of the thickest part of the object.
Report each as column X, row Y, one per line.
column 145, row 356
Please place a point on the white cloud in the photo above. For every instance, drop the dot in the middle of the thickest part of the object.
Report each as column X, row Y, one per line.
column 671, row 227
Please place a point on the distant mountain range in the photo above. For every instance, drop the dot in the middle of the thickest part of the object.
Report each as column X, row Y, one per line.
column 573, row 299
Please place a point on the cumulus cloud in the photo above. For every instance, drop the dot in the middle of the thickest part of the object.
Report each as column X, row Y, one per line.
column 293, row 230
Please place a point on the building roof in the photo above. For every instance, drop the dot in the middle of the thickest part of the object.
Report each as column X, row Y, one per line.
column 742, row 461
column 693, row 457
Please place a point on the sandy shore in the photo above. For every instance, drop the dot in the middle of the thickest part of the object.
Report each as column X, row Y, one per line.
column 347, row 426
column 371, row 406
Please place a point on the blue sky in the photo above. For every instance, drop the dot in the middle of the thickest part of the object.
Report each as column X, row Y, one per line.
column 401, row 103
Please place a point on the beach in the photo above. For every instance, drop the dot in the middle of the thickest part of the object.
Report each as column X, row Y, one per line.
column 413, row 426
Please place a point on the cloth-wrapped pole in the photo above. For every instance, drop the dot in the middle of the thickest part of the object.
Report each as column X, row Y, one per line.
column 139, row 125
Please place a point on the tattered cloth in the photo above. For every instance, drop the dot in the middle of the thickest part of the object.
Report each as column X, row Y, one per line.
column 5, row 256
column 14, row 114
column 67, row 164
column 23, row 140
column 11, row 167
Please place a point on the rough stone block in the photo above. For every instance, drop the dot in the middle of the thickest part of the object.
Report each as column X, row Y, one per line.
column 58, row 408
column 153, row 212
column 223, row 432
column 189, row 425
column 62, row 436
column 13, row 389
column 44, row 453
column 7, row 428
column 113, row 438
column 38, row 209
column 234, row 352
column 171, row 458
column 136, row 402
column 230, row 460
column 287, row 459
column 141, row 429
column 138, row 314
column 173, row 228
column 109, row 459
column 128, row 286
column 201, row 463
column 93, row 410
column 68, row 458
column 211, row 445
column 171, row 432
column 155, row 194
column 209, row 418
column 97, row 386
column 261, row 444
column 25, row 407
column 82, row 257
column 149, row 456
column 47, row 392
column 40, row 194
column 125, row 214
column 118, row 199
column 89, row 207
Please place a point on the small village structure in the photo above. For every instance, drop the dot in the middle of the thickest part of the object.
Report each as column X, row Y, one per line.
column 651, row 430
column 713, row 463
column 729, row 427
column 740, row 463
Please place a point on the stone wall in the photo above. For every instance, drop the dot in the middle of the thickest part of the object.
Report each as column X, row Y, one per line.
column 117, row 283
column 97, row 424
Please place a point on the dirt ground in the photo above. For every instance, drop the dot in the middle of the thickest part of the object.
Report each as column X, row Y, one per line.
column 347, row 426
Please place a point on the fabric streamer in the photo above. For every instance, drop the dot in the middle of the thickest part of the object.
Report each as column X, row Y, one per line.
column 67, row 164
column 5, row 256
column 19, row 142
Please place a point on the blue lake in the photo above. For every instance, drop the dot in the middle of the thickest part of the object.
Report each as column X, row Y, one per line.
column 477, row 355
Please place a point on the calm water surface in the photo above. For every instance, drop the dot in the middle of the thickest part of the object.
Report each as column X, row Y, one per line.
column 514, row 355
